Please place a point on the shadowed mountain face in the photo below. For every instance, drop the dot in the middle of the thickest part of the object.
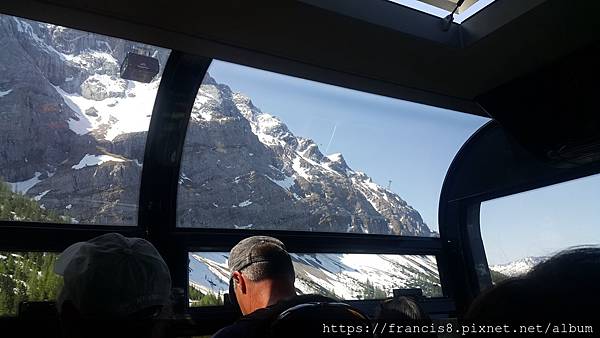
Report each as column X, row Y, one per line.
column 73, row 135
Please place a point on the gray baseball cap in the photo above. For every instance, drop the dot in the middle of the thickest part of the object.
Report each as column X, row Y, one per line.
column 257, row 249
column 112, row 275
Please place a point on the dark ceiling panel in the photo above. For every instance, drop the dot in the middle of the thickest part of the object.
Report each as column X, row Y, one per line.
column 292, row 38
column 306, row 41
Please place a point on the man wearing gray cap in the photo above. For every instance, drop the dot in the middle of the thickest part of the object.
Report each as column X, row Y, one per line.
column 113, row 286
column 262, row 279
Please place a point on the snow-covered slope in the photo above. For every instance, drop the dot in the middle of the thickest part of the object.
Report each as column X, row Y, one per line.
column 346, row 276
column 126, row 107
column 518, row 267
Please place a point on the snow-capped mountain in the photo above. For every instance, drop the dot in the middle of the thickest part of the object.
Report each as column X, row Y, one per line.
column 77, row 134
column 73, row 135
column 274, row 179
column 518, row 267
column 345, row 276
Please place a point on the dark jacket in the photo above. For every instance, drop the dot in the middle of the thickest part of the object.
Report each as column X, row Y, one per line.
column 256, row 324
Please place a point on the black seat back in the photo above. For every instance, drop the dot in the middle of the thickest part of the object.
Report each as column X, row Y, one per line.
column 320, row 319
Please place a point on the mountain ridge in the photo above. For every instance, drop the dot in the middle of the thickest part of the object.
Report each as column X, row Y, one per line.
column 90, row 127
column 518, row 267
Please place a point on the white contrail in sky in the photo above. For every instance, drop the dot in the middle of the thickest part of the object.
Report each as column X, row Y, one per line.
column 330, row 139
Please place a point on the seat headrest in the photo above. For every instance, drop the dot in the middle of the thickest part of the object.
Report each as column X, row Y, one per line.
column 317, row 319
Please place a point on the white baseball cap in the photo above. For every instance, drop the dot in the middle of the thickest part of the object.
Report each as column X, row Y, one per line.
column 112, row 275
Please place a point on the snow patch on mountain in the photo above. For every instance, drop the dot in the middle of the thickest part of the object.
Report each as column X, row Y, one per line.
column 337, row 157
column 518, row 267
column 209, row 272
column 6, row 92
column 23, row 186
column 244, row 203
column 90, row 59
column 285, row 183
column 93, row 160
column 40, row 196
column 113, row 115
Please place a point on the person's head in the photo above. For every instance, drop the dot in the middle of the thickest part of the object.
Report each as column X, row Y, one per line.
column 262, row 272
column 566, row 286
column 400, row 309
column 111, row 279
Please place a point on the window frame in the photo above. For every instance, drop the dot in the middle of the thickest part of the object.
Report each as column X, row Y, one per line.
column 74, row 230
column 182, row 77
column 491, row 164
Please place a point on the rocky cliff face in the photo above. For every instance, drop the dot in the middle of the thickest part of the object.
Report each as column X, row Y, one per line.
column 69, row 126
column 72, row 136
column 274, row 179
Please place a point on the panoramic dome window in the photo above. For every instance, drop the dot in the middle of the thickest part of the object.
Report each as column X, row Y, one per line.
column 266, row 151
column 72, row 132
column 524, row 229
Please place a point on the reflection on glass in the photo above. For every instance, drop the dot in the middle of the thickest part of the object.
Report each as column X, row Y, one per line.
column 442, row 9
column 324, row 159
column 521, row 230
column 340, row 276
column 72, row 132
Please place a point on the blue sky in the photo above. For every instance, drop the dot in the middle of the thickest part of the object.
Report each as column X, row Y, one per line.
column 412, row 145
column 543, row 221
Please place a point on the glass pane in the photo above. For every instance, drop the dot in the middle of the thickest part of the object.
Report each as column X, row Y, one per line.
column 27, row 276
column 441, row 8
column 341, row 276
column 72, row 131
column 521, row 230
column 323, row 158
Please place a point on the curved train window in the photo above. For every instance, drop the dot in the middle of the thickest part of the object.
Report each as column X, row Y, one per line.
column 520, row 230
column 340, row 276
column 269, row 151
column 72, row 131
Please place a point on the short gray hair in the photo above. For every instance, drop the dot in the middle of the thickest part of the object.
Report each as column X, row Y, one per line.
column 261, row 257
column 265, row 270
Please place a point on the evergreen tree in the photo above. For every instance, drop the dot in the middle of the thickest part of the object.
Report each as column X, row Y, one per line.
column 210, row 299
column 25, row 276
column 371, row 291
column 200, row 299
column 194, row 294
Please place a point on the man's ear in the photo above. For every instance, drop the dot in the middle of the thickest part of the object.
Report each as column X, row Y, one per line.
column 240, row 281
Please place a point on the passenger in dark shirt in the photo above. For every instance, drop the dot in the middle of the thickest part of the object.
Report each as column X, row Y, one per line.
column 262, row 277
column 256, row 324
